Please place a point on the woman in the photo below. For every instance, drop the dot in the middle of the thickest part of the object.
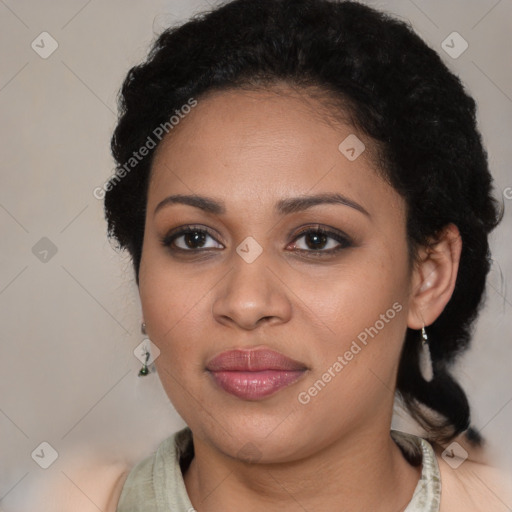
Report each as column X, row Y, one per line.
column 303, row 191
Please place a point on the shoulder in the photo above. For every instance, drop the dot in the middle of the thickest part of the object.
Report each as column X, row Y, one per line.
column 92, row 487
column 158, row 478
column 471, row 484
column 87, row 483
column 138, row 487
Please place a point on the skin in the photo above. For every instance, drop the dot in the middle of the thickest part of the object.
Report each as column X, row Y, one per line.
column 248, row 150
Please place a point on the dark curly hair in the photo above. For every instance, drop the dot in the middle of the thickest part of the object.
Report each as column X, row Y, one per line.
column 395, row 89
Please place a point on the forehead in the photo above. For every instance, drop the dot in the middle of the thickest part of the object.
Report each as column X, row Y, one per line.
column 249, row 144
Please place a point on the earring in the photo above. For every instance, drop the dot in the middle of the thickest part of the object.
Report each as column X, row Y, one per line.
column 426, row 369
column 144, row 370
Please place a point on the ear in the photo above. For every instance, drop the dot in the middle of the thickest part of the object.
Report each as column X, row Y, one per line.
column 434, row 276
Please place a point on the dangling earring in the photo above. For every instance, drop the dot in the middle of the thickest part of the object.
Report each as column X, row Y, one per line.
column 426, row 369
column 144, row 370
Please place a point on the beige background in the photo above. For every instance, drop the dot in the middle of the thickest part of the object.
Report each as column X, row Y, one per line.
column 70, row 324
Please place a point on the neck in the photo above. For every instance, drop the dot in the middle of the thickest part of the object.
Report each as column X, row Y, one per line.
column 363, row 471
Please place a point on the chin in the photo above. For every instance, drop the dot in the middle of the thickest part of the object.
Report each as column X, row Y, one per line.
column 255, row 436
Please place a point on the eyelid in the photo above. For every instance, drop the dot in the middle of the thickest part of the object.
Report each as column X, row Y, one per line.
column 305, row 228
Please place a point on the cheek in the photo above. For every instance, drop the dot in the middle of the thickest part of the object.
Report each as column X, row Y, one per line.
column 172, row 307
column 363, row 303
column 353, row 295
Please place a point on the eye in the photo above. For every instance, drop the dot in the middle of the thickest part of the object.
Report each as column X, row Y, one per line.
column 317, row 241
column 321, row 241
column 190, row 238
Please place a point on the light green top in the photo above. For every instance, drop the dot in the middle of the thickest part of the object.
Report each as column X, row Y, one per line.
column 156, row 483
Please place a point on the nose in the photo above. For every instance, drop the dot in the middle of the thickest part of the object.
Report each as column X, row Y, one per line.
column 250, row 295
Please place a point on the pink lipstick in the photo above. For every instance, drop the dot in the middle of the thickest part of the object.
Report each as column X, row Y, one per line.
column 254, row 374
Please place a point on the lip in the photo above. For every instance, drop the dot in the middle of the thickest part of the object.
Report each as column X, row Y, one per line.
column 253, row 374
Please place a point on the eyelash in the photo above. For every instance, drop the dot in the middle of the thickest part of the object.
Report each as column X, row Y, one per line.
column 343, row 240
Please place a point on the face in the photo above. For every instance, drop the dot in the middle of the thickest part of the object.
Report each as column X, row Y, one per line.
column 279, row 300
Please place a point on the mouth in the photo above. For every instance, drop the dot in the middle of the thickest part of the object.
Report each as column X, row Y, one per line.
column 254, row 374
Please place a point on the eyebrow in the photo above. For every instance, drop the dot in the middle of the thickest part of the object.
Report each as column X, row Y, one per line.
column 283, row 206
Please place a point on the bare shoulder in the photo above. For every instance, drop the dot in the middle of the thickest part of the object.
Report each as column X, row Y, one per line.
column 471, row 484
column 88, row 488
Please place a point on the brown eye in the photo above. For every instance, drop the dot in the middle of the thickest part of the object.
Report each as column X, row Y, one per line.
column 190, row 239
column 321, row 241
